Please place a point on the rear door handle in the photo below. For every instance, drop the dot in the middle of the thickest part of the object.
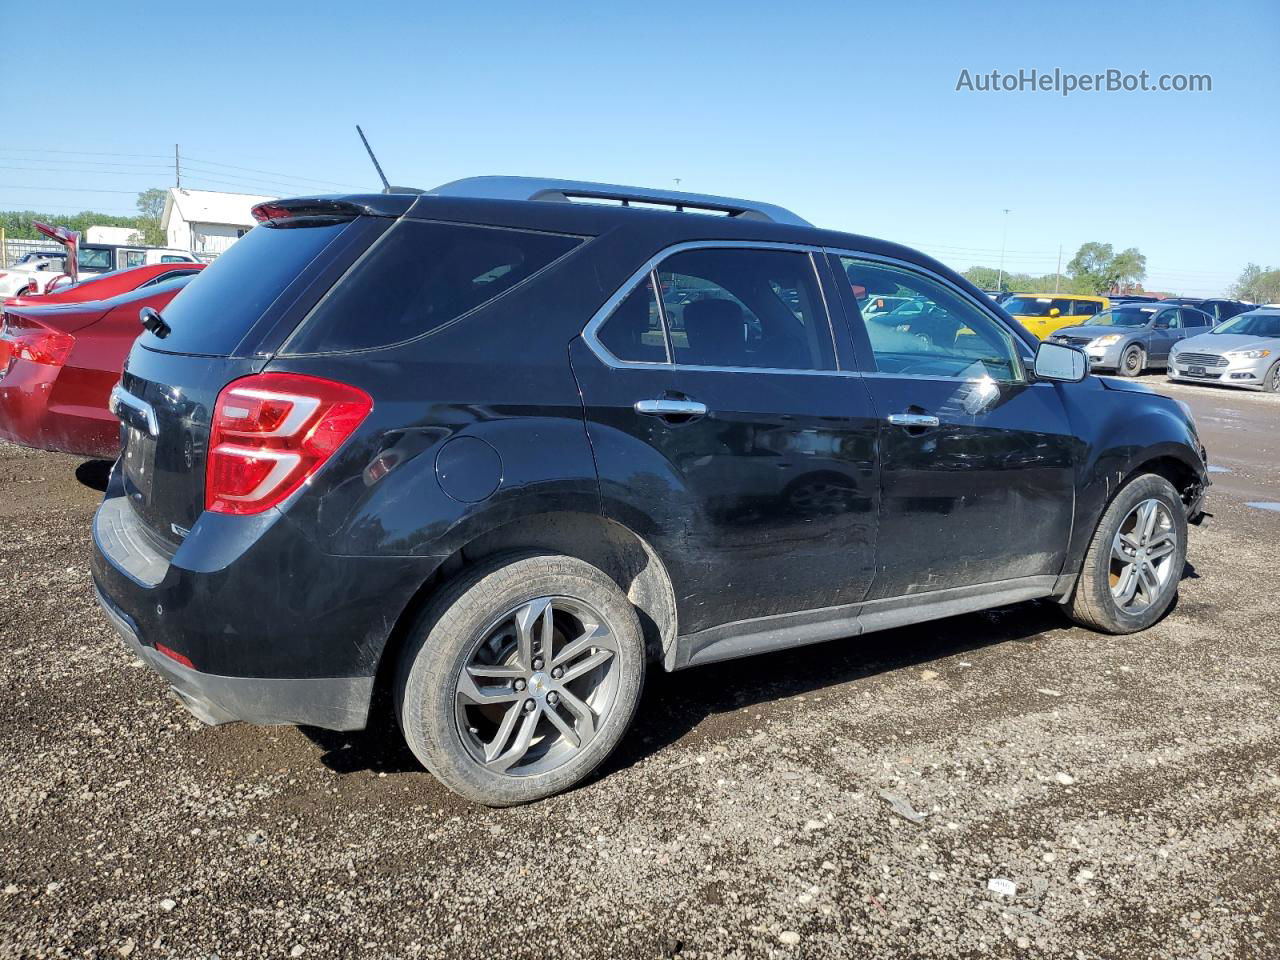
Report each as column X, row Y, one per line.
column 665, row 407
column 913, row 420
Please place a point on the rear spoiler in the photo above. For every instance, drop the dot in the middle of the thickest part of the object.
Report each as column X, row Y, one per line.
column 333, row 208
column 69, row 239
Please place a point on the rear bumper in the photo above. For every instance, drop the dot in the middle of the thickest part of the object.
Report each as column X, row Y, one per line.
column 336, row 703
column 271, row 628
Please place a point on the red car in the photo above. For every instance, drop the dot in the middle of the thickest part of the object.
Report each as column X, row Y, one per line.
column 104, row 286
column 58, row 363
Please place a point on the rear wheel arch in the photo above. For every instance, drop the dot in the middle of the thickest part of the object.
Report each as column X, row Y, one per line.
column 624, row 556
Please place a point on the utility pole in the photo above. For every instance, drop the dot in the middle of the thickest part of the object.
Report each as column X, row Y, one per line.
column 1057, row 274
column 1004, row 235
column 177, row 168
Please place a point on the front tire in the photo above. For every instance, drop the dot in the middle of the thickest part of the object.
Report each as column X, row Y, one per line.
column 1133, row 361
column 521, row 677
column 1271, row 382
column 1131, row 571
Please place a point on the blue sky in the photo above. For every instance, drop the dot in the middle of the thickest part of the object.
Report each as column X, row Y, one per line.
column 845, row 112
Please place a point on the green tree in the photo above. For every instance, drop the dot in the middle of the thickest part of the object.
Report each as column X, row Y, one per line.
column 19, row 224
column 151, row 209
column 985, row 278
column 1097, row 268
column 1257, row 285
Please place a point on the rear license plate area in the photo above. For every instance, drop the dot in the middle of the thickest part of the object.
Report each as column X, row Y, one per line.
column 139, row 462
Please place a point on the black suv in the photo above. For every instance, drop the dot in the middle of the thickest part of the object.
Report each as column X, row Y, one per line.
column 498, row 449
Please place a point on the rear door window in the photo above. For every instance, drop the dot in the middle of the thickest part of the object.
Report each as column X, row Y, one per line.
column 633, row 332
column 745, row 308
column 228, row 297
column 420, row 276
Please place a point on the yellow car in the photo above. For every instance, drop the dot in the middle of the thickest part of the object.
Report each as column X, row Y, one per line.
column 1044, row 313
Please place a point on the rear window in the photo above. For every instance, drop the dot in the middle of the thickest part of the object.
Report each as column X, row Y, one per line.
column 223, row 301
column 419, row 277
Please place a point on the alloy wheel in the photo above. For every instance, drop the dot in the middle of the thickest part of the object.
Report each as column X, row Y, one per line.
column 1142, row 556
column 537, row 686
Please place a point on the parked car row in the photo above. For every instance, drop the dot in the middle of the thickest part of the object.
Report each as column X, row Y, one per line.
column 44, row 272
column 1134, row 333
column 1128, row 335
column 1240, row 351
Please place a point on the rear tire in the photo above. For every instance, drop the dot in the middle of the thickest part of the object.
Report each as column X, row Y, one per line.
column 1131, row 571
column 484, row 693
column 1133, row 361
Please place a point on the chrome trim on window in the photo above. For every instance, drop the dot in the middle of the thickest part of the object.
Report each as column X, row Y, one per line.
column 589, row 332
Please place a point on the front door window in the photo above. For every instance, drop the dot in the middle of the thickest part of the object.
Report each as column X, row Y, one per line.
column 934, row 331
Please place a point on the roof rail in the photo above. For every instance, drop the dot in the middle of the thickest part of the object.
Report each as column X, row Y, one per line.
column 537, row 188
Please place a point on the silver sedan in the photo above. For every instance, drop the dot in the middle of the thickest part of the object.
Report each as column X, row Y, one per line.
column 1242, row 352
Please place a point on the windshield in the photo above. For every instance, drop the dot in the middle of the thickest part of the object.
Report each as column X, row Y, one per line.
column 1124, row 317
column 1038, row 306
column 1251, row 325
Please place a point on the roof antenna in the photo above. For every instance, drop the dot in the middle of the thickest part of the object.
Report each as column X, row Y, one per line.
column 386, row 186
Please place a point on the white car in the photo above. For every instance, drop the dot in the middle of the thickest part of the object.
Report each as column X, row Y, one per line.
column 1241, row 352
column 35, row 271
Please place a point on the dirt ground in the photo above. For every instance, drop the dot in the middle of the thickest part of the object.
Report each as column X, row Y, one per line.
column 1129, row 787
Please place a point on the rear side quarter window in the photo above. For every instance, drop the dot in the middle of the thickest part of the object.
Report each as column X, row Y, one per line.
column 420, row 276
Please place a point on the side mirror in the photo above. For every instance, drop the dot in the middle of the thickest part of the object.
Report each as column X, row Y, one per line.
column 1055, row 312
column 1057, row 361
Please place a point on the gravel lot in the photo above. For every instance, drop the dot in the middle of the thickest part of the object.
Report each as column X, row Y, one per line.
column 1129, row 787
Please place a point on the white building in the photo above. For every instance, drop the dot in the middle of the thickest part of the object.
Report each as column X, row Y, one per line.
column 207, row 221
column 125, row 236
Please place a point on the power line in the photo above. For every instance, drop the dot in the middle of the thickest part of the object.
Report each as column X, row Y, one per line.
column 25, row 186
column 273, row 173
column 87, row 163
column 79, row 154
column 87, row 153
column 95, row 173
column 222, row 177
column 28, row 206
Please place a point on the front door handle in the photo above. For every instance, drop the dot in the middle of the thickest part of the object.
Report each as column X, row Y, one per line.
column 913, row 420
column 666, row 407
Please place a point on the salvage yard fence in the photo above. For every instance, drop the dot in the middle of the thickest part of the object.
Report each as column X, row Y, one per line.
column 15, row 250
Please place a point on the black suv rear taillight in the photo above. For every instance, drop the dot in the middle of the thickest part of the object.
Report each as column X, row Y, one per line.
column 271, row 432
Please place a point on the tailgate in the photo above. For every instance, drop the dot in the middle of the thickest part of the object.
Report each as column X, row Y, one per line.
column 165, row 410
